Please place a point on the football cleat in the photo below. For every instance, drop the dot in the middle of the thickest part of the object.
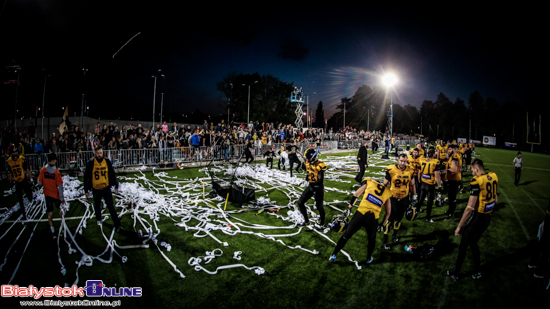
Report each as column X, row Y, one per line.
column 430, row 220
column 369, row 261
column 477, row 276
column 395, row 238
column 386, row 247
column 332, row 258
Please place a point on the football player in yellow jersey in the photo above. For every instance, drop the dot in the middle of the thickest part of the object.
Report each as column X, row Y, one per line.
column 413, row 160
column 99, row 176
column 441, row 152
column 483, row 198
column 315, row 170
column 375, row 195
column 420, row 149
column 19, row 169
column 401, row 178
column 429, row 176
column 454, row 178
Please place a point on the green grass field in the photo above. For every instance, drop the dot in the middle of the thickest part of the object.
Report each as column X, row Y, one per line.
column 295, row 278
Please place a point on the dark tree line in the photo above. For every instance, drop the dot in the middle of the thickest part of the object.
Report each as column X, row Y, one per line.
column 368, row 109
column 269, row 98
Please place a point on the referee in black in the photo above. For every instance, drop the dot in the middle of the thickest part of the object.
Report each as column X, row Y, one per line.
column 362, row 161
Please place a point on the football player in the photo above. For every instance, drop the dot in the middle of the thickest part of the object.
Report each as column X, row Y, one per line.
column 454, row 179
column 21, row 175
column 420, row 149
column 483, row 198
column 375, row 195
column 315, row 170
column 428, row 175
column 401, row 178
column 413, row 161
column 441, row 151
column 99, row 176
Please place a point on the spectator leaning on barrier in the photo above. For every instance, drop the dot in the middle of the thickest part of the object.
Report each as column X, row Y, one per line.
column 38, row 147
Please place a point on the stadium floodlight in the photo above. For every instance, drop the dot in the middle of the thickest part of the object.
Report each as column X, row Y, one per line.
column 389, row 79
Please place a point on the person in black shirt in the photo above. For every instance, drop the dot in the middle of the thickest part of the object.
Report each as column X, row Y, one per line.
column 374, row 145
column 248, row 152
column 292, row 151
column 362, row 161
column 270, row 154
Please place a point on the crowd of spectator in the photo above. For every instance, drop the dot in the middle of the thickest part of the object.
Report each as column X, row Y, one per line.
column 164, row 136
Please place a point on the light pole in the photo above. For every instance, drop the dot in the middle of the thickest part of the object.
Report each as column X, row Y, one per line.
column 154, row 96
column 344, row 116
column 43, row 101
column 84, row 70
column 229, row 104
column 307, row 109
column 389, row 80
column 248, row 115
column 161, row 98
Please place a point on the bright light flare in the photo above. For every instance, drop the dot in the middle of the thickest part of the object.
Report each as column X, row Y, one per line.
column 389, row 79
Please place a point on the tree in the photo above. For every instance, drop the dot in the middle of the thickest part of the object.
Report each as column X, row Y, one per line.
column 268, row 97
column 477, row 112
column 320, row 116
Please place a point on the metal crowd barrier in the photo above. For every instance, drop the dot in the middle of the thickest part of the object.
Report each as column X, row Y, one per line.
column 155, row 156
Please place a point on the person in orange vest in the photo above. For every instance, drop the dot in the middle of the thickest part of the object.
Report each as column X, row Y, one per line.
column 52, row 182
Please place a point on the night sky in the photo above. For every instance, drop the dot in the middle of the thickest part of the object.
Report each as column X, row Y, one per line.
column 327, row 50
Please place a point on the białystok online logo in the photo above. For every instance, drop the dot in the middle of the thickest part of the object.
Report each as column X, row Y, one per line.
column 93, row 288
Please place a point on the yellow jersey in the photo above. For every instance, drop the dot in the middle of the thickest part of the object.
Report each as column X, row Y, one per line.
column 18, row 168
column 400, row 180
column 457, row 157
column 442, row 150
column 485, row 188
column 428, row 168
column 414, row 163
column 100, row 175
column 313, row 170
column 374, row 197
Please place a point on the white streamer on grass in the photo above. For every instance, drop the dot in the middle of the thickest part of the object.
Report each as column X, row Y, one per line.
column 148, row 200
